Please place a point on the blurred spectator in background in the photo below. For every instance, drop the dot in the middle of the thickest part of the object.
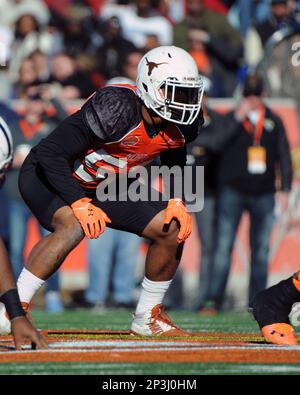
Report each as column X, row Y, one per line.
column 282, row 15
column 247, row 181
column 197, row 49
column 139, row 21
column 8, row 114
column 205, row 151
column 219, row 6
column 130, row 66
column 76, row 36
column 115, row 49
column 36, row 122
column 164, row 8
column 12, row 10
column 59, row 8
column 28, row 38
column 28, row 76
column 116, row 8
column 113, row 257
column 67, row 81
column 244, row 13
column 221, row 43
column 6, row 40
column 87, row 63
column 200, row 156
column 128, row 73
column 40, row 65
column 152, row 42
column 171, row 10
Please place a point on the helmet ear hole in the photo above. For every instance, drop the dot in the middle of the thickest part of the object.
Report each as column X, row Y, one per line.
column 145, row 87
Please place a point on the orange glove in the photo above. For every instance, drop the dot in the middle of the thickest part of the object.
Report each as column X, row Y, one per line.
column 176, row 210
column 91, row 218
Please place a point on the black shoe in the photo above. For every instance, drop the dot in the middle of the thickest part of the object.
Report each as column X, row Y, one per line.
column 79, row 301
column 271, row 308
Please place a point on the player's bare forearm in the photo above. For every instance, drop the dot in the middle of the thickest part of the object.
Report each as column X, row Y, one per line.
column 7, row 280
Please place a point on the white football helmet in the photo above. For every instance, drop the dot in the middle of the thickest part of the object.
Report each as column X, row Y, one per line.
column 6, row 148
column 168, row 82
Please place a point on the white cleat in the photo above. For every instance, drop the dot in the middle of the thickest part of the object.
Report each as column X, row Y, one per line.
column 155, row 322
column 5, row 326
column 294, row 315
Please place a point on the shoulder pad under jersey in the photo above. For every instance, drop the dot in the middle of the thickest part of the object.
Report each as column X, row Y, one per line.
column 112, row 112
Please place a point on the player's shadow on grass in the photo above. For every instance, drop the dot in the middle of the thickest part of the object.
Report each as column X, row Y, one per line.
column 258, row 342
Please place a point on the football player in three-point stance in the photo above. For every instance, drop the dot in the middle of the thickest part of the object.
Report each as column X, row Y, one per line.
column 120, row 127
column 21, row 328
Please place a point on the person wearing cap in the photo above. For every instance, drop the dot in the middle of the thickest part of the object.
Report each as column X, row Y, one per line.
column 281, row 16
column 247, row 181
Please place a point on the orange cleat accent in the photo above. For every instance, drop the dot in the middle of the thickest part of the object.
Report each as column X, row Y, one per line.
column 156, row 322
column 281, row 334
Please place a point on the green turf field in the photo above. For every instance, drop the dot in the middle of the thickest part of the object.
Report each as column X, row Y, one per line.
column 120, row 320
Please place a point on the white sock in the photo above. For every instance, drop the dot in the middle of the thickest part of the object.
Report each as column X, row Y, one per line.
column 152, row 294
column 28, row 284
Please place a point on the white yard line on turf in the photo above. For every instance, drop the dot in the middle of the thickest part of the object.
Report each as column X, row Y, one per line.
column 56, row 348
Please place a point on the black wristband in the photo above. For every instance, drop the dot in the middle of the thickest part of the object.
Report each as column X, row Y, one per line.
column 12, row 304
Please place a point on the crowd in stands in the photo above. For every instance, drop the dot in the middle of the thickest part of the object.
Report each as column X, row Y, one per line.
column 75, row 46
column 55, row 51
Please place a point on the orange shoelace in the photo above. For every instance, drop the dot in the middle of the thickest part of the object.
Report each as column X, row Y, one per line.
column 159, row 314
